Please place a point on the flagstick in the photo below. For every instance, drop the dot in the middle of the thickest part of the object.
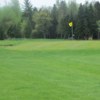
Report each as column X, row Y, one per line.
column 72, row 29
column 72, row 33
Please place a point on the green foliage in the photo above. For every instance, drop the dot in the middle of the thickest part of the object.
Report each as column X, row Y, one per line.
column 42, row 21
column 54, row 15
column 73, row 8
column 98, row 24
column 52, row 22
column 10, row 17
column 86, row 25
column 97, row 10
column 62, row 13
column 79, row 25
column 15, row 6
column 27, row 16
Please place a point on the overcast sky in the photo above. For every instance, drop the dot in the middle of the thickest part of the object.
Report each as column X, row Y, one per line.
column 39, row 3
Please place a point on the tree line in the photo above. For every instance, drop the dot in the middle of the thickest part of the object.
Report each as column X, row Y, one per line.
column 50, row 22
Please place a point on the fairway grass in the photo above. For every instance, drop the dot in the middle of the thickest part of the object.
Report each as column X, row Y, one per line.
column 49, row 70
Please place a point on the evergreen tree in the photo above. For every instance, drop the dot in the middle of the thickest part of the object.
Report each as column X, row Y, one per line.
column 98, row 24
column 28, row 13
column 86, row 23
column 79, row 34
column 92, row 22
column 62, row 13
column 54, row 15
column 1, row 33
column 97, row 10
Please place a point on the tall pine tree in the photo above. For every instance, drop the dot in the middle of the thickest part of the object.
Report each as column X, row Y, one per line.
column 28, row 13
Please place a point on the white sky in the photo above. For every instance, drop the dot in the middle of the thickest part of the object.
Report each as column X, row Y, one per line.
column 39, row 3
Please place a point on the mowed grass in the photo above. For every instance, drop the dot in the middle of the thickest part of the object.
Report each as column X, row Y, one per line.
column 49, row 70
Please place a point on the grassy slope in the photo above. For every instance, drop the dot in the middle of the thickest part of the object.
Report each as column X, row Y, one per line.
column 50, row 70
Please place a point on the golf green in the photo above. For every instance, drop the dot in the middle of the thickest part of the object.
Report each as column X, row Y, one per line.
column 49, row 70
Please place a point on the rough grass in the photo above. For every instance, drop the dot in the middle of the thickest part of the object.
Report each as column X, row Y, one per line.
column 49, row 70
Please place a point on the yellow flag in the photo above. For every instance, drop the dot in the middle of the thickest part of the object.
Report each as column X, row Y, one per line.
column 70, row 24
